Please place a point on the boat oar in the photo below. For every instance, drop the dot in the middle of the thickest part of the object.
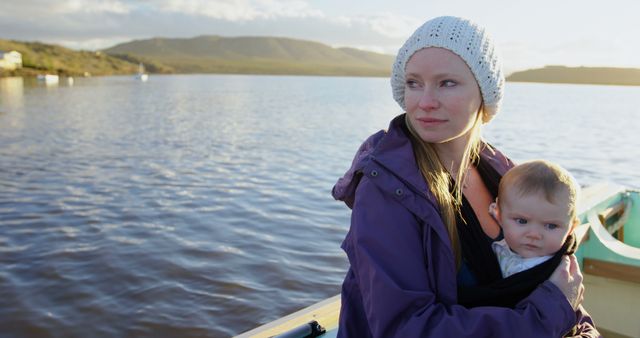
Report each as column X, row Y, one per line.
column 309, row 330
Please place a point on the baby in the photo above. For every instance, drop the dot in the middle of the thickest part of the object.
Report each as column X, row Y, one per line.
column 536, row 208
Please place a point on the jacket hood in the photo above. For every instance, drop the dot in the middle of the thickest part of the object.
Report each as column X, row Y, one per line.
column 391, row 150
column 345, row 188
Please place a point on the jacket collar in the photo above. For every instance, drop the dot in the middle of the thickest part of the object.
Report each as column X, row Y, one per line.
column 395, row 153
column 393, row 150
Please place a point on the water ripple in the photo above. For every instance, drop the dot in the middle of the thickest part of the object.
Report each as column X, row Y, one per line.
column 200, row 205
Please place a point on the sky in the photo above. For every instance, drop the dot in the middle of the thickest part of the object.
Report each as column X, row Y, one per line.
column 529, row 34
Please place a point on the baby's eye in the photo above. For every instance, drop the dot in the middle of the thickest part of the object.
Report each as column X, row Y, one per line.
column 521, row 221
column 448, row 83
column 551, row 226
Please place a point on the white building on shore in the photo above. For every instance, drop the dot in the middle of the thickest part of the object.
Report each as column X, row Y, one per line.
column 10, row 60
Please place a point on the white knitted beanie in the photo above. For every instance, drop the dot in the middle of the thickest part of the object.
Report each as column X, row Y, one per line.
column 467, row 40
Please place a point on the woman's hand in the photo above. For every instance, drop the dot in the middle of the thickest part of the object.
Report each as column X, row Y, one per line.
column 568, row 278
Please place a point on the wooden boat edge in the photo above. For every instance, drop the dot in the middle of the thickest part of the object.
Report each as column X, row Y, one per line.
column 326, row 312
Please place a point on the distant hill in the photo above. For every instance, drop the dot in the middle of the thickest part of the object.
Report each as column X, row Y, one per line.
column 580, row 75
column 38, row 58
column 255, row 55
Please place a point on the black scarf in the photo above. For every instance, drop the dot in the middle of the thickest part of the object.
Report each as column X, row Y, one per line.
column 508, row 292
column 492, row 289
column 475, row 244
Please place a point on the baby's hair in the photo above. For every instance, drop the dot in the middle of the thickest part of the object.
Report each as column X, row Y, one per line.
column 541, row 176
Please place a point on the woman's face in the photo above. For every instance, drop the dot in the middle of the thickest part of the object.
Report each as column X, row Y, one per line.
column 441, row 96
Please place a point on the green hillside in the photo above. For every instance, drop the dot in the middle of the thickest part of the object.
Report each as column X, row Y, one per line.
column 580, row 75
column 255, row 55
column 38, row 58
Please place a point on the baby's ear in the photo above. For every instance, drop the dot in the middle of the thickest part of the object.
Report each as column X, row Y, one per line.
column 575, row 223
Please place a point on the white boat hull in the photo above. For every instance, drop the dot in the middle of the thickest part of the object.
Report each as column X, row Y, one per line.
column 49, row 78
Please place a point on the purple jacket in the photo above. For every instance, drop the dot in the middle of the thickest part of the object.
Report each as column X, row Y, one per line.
column 402, row 280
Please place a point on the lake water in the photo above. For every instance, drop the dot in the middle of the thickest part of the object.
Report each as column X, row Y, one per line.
column 200, row 206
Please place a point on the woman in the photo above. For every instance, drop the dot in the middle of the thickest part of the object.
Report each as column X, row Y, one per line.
column 420, row 194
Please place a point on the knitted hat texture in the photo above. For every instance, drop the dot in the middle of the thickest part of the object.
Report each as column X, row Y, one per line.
column 465, row 39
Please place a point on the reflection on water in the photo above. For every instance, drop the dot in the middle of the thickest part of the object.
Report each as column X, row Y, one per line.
column 199, row 205
column 11, row 93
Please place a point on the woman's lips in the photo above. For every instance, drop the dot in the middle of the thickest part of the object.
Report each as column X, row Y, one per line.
column 430, row 121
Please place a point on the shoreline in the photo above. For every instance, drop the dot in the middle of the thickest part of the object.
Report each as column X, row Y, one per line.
column 32, row 74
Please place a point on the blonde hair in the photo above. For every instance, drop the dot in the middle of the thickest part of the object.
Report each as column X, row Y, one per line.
column 541, row 176
column 438, row 178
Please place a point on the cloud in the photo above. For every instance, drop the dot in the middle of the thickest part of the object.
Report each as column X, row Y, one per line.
column 393, row 26
column 91, row 6
column 96, row 24
column 240, row 10
column 386, row 24
column 37, row 9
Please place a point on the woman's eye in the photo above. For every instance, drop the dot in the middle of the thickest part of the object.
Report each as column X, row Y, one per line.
column 412, row 84
column 521, row 221
column 448, row 83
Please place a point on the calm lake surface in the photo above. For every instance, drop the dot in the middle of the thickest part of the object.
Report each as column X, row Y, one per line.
column 200, row 206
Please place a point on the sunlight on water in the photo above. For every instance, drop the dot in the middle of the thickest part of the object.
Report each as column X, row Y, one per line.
column 199, row 205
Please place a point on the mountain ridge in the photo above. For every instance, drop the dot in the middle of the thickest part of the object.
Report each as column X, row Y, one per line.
column 251, row 54
column 257, row 55
column 579, row 75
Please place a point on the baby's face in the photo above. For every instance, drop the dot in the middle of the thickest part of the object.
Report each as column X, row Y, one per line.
column 531, row 225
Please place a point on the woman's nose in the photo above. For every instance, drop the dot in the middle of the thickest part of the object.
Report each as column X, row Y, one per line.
column 429, row 100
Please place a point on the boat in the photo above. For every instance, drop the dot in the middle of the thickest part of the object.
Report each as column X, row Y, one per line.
column 48, row 78
column 609, row 254
column 141, row 75
column 610, row 258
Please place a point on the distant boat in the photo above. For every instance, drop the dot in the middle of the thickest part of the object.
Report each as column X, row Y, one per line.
column 48, row 78
column 141, row 75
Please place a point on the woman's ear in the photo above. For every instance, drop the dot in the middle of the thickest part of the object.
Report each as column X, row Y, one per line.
column 484, row 116
column 494, row 211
